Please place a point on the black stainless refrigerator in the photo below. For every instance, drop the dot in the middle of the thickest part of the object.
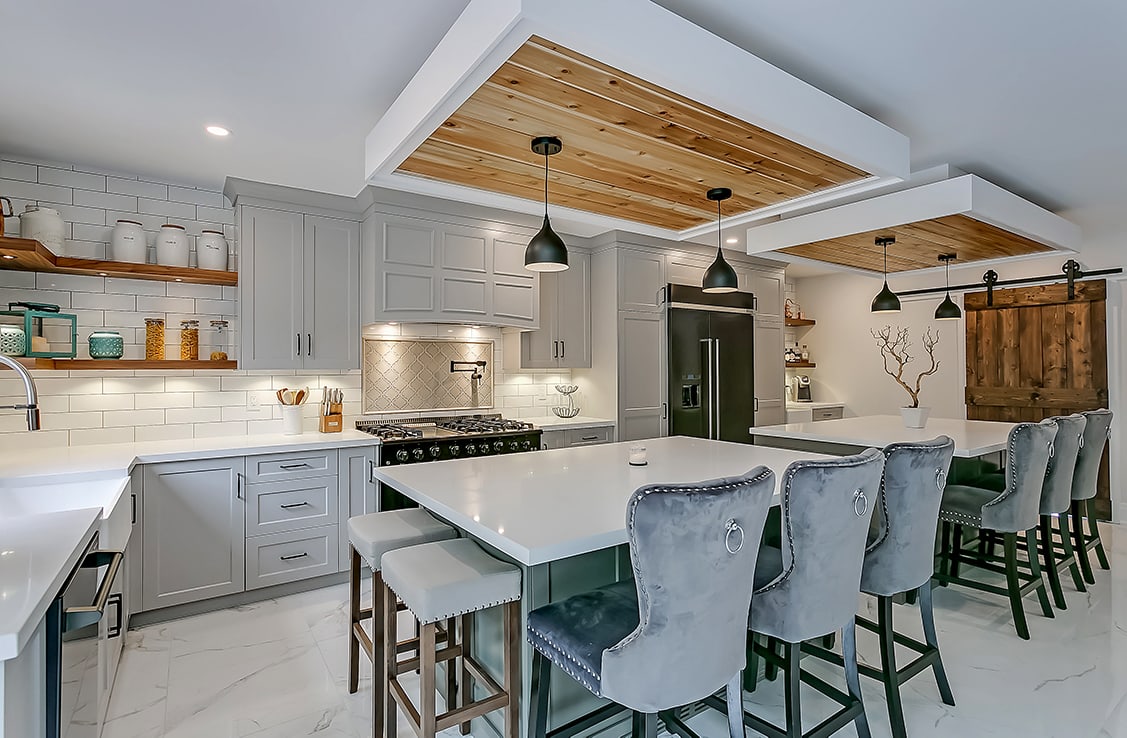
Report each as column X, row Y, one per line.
column 711, row 363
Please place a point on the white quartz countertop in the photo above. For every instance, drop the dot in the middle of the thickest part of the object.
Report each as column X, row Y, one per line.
column 972, row 437
column 37, row 553
column 549, row 505
column 117, row 459
column 551, row 422
column 793, row 405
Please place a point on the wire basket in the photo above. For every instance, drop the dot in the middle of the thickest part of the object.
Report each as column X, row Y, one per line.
column 566, row 389
column 565, row 412
column 569, row 410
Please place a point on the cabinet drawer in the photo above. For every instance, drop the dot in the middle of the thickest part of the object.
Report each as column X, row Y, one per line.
column 288, row 557
column 278, row 467
column 273, row 507
column 589, row 436
column 828, row 413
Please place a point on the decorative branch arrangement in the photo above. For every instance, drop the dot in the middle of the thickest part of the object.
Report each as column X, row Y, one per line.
column 896, row 348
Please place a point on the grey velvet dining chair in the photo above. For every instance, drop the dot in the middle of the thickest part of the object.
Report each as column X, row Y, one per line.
column 674, row 635
column 1085, row 481
column 809, row 586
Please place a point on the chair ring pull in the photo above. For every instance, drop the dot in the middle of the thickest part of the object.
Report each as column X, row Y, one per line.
column 1052, row 449
column 940, row 478
column 1081, row 440
column 732, row 527
column 860, row 503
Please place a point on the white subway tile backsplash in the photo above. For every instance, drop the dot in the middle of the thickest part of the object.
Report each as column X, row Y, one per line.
column 225, row 216
column 183, row 289
column 46, row 438
column 71, row 420
column 10, row 278
column 215, row 307
column 193, row 415
column 83, row 403
column 94, row 301
column 88, row 232
column 137, row 188
column 244, row 383
column 48, row 194
column 195, row 197
column 220, row 399
column 216, row 430
column 170, row 210
column 191, row 384
column 166, row 305
column 65, row 385
column 130, row 418
column 84, row 249
column 164, row 400
column 105, row 200
column 101, row 435
column 120, row 385
column 167, row 432
column 81, row 214
column 76, row 180
column 136, row 286
column 18, row 170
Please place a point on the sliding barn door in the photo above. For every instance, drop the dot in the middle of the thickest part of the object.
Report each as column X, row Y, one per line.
column 1034, row 353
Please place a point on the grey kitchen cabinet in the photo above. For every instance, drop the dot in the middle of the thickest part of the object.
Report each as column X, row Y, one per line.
column 277, row 558
column 570, row 437
column 356, row 491
column 194, row 519
column 424, row 270
column 564, row 337
column 767, row 286
column 275, row 507
column 641, row 380
column 641, row 277
column 680, row 269
column 299, row 290
column 770, row 379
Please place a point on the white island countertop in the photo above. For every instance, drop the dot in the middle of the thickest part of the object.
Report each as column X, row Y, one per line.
column 972, row 437
column 552, row 422
column 548, row 505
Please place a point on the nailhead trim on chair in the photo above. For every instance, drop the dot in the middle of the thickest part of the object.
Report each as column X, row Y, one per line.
column 479, row 608
column 568, row 662
column 953, row 517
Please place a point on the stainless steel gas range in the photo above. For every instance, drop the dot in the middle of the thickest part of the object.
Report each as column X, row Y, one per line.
column 437, row 439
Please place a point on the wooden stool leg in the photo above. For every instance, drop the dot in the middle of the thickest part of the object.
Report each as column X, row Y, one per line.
column 427, row 709
column 451, row 666
column 379, row 680
column 353, row 620
column 388, row 664
column 466, row 691
column 512, row 683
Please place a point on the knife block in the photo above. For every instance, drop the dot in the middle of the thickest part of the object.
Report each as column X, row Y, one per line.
column 334, row 421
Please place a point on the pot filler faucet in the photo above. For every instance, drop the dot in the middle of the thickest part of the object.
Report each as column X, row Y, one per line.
column 474, row 367
column 31, row 405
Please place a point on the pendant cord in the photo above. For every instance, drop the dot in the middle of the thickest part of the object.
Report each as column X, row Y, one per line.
column 545, row 184
column 719, row 252
column 886, row 263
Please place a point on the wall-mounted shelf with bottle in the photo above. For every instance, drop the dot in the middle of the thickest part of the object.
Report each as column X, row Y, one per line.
column 28, row 255
column 798, row 322
column 800, row 365
column 123, row 364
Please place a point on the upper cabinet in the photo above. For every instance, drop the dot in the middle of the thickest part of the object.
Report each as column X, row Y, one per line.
column 299, row 289
column 428, row 271
column 564, row 337
column 641, row 277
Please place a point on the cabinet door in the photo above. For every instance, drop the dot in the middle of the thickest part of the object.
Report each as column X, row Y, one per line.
column 356, row 491
column 767, row 286
column 641, row 275
column 641, row 379
column 404, row 278
column 573, row 312
column 539, row 349
column 332, row 294
column 680, row 270
column 271, row 289
column 194, row 518
column 515, row 300
column 770, row 379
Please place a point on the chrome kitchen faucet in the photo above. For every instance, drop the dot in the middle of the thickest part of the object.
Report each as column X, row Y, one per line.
column 31, row 405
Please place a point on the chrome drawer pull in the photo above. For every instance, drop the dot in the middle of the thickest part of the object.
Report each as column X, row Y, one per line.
column 589, row 438
column 289, row 467
column 292, row 505
column 291, row 557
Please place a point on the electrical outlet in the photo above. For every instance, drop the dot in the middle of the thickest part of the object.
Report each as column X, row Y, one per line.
column 254, row 402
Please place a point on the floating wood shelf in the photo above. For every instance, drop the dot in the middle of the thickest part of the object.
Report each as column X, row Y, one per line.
column 800, row 365
column 798, row 322
column 28, row 255
column 124, row 364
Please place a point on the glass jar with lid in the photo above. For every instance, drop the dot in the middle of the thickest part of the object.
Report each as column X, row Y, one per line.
column 189, row 340
column 154, row 339
column 219, row 340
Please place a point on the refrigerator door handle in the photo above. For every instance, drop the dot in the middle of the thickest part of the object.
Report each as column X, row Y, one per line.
column 710, row 390
column 716, row 383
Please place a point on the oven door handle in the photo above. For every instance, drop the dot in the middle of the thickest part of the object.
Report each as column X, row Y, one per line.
column 80, row 617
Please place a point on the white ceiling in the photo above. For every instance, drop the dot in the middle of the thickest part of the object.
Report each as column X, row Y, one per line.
column 1028, row 95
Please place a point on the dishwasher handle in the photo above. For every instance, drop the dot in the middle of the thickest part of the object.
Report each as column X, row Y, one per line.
column 80, row 617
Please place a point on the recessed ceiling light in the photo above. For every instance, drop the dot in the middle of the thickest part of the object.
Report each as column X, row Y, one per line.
column 218, row 131
column 179, row 280
column 8, row 256
column 732, row 240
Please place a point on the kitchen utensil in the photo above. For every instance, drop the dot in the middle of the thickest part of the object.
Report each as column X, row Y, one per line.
column 332, row 419
column 45, row 225
column 13, row 340
column 281, row 397
column 129, row 242
column 106, row 345
column 212, row 251
column 172, row 246
column 8, row 213
column 299, row 399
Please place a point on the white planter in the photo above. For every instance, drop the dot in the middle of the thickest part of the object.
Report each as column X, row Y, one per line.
column 915, row 417
column 172, row 246
column 211, row 251
column 129, row 243
column 45, row 225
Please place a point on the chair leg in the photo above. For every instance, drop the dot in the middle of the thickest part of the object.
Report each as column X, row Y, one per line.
column 1045, row 538
column 1013, row 584
column 1035, row 570
column 512, row 684
column 956, row 549
column 927, row 614
column 354, row 620
column 1064, row 528
column 849, row 654
column 888, row 667
column 751, row 671
column 792, row 677
column 541, row 683
column 1094, row 533
column 644, row 725
column 427, row 709
column 379, row 629
column 1078, row 542
column 465, row 691
column 735, row 709
column 944, row 551
column 770, row 668
column 451, row 666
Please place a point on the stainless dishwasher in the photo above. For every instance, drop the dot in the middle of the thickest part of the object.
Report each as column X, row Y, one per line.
column 73, row 644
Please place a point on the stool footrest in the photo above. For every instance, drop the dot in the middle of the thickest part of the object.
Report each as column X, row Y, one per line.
column 468, row 712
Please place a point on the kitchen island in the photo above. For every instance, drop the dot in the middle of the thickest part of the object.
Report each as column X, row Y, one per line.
column 561, row 516
column 973, row 438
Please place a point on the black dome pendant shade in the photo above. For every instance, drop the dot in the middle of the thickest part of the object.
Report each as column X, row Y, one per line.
column 720, row 277
column 546, row 252
column 886, row 300
column 947, row 309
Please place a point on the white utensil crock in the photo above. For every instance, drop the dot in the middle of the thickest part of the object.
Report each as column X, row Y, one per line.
column 211, row 251
column 291, row 420
column 172, row 246
column 45, row 225
column 129, row 243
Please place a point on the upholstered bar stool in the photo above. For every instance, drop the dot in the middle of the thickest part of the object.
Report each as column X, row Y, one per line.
column 438, row 582
column 899, row 561
column 675, row 634
column 370, row 537
column 1084, row 483
column 1013, row 511
column 809, row 587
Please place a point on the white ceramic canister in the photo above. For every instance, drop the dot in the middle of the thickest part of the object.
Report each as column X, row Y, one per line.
column 45, row 225
column 129, row 242
column 211, row 251
column 172, row 246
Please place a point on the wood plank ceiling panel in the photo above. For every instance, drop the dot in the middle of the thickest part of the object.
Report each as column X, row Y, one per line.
column 632, row 150
column 918, row 245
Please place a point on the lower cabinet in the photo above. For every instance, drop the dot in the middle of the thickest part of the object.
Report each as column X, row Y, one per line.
column 357, row 491
column 566, row 438
column 286, row 557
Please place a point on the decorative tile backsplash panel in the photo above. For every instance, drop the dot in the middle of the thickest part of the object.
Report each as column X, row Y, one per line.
column 406, row 375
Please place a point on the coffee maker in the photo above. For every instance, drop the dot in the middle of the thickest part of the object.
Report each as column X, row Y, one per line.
column 800, row 385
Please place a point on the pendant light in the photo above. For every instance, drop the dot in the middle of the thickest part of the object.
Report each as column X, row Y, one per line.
column 886, row 300
column 546, row 251
column 720, row 277
column 947, row 309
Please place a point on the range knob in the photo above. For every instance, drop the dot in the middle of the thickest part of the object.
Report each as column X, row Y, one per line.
column 470, row 449
column 527, row 445
column 498, row 446
column 435, row 451
column 401, row 454
column 455, row 449
column 514, row 445
column 418, row 454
